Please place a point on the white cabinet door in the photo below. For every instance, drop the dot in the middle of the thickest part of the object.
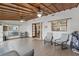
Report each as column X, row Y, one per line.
column 1, row 33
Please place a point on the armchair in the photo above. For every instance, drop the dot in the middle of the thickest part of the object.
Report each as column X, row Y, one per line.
column 48, row 38
column 62, row 41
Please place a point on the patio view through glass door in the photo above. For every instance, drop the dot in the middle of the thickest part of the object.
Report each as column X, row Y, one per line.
column 36, row 30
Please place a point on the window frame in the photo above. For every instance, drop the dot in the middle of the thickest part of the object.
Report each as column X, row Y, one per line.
column 57, row 26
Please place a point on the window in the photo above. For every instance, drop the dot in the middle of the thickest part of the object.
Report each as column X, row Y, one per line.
column 59, row 25
column 12, row 30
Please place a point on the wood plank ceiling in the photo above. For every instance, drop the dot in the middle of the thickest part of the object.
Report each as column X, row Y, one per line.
column 27, row 11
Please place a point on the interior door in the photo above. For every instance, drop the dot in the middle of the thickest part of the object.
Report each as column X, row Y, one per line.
column 1, row 33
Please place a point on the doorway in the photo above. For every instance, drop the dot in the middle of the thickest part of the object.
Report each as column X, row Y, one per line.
column 37, row 30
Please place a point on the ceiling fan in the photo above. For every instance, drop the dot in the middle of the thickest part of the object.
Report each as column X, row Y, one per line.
column 39, row 12
column 22, row 18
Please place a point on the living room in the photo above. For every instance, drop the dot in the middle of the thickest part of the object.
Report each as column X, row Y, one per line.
column 35, row 35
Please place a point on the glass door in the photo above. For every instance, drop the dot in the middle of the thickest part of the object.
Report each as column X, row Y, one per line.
column 36, row 30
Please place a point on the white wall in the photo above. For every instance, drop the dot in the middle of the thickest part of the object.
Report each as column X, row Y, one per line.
column 73, row 24
column 1, row 33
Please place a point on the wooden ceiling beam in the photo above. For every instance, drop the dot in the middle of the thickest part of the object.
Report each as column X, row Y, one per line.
column 75, row 5
column 31, row 6
column 62, row 6
column 59, row 6
column 9, row 16
column 14, row 17
column 15, row 7
column 51, row 7
column 12, row 9
column 55, row 7
column 47, row 7
column 69, row 5
column 26, row 5
column 20, row 6
column 9, row 11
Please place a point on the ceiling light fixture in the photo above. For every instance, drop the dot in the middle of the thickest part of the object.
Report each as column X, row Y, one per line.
column 40, row 12
column 22, row 18
column 39, row 15
column 21, row 21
